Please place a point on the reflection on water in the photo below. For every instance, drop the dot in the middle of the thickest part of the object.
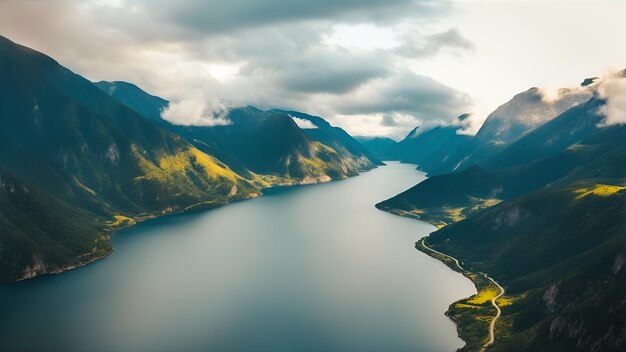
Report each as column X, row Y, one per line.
column 306, row 268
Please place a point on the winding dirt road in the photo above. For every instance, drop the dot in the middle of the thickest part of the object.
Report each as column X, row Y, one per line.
column 492, row 325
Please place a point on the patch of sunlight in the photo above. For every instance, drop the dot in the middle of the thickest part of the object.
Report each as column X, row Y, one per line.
column 598, row 190
column 484, row 296
column 121, row 220
column 467, row 306
column 455, row 214
column 184, row 161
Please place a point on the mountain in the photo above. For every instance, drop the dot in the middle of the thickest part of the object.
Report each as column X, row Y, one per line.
column 447, row 198
column 507, row 124
column 442, row 149
column 546, row 218
column 569, row 128
column 79, row 160
column 130, row 95
column 560, row 253
column 560, row 151
column 262, row 144
column 76, row 164
column 378, row 146
column 334, row 137
column 420, row 148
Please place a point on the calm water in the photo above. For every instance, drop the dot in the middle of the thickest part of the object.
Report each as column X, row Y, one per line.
column 306, row 268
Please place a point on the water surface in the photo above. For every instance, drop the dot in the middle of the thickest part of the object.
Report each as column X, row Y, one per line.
column 305, row 268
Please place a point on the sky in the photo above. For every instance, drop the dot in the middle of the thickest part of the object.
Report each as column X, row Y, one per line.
column 373, row 67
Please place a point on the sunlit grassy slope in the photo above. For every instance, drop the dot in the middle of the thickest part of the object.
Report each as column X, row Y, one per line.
column 598, row 190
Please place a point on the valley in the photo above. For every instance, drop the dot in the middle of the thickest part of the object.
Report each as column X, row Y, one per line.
column 312, row 268
column 312, row 176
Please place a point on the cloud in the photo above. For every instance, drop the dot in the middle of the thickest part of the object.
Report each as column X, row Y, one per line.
column 469, row 123
column 419, row 46
column 408, row 93
column 551, row 95
column 223, row 16
column 320, row 70
column 394, row 125
column 297, row 55
column 303, row 123
column 328, row 79
column 388, row 120
column 197, row 111
column 613, row 90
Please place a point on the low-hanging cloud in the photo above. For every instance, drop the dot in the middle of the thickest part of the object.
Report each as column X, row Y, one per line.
column 469, row 123
column 303, row 123
column 551, row 95
column 197, row 111
column 613, row 90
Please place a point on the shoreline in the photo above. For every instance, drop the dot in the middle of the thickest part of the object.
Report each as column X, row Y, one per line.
column 38, row 269
column 472, row 307
column 468, row 313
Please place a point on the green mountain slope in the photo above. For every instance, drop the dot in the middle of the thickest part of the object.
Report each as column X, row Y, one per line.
column 560, row 253
column 447, row 198
column 76, row 148
column 135, row 98
column 257, row 143
column 40, row 233
column 336, row 138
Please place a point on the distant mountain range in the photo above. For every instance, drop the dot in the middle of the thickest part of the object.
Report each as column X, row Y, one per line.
column 443, row 149
column 79, row 160
column 542, row 213
column 378, row 146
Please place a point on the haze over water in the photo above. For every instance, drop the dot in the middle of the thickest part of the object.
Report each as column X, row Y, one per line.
column 304, row 268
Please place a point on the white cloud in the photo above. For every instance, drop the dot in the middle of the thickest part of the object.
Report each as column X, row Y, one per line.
column 470, row 123
column 613, row 90
column 303, row 123
column 549, row 94
column 222, row 72
column 197, row 111
column 352, row 37
column 552, row 95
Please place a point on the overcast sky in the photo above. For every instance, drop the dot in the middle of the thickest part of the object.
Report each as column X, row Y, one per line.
column 374, row 67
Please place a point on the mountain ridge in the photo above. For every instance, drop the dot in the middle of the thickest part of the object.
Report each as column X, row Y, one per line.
column 77, row 164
